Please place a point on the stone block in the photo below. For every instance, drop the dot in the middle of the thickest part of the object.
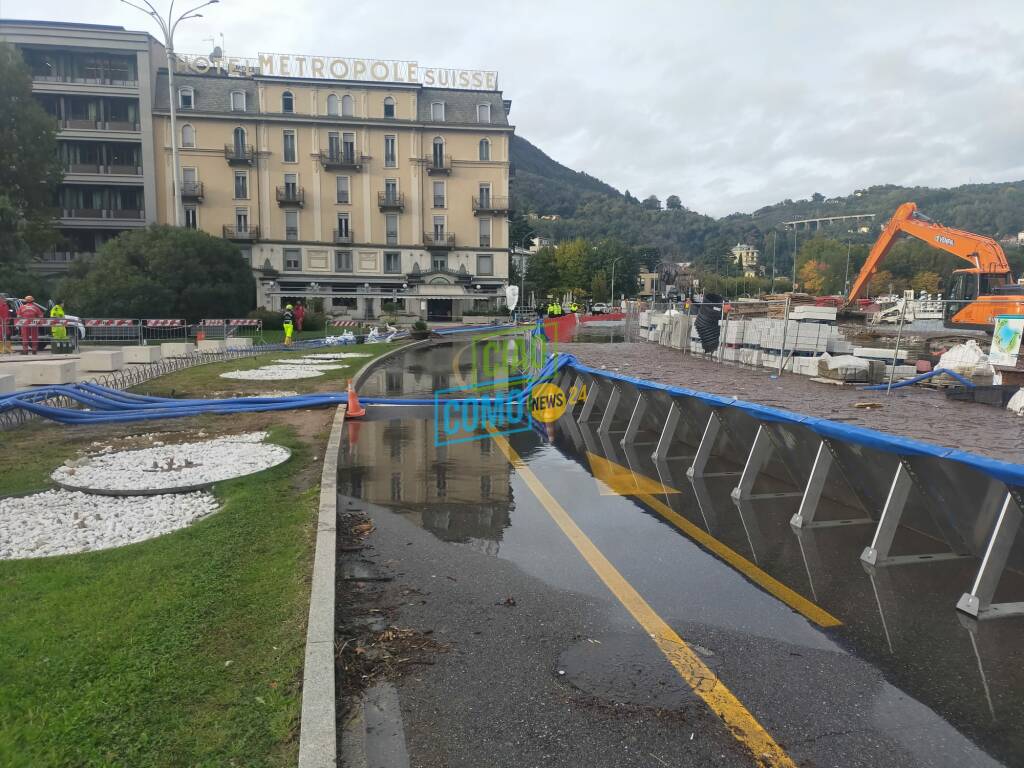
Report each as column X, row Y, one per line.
column 212, row 345
column 177, row 348
column 142, row 354
column 50, row 372
column 7, row 383
column 239, row 342
column 101, row 361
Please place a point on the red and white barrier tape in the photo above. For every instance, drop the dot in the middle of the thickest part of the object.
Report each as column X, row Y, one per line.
column 107, row 323
column 163, row 323
column 39, row 322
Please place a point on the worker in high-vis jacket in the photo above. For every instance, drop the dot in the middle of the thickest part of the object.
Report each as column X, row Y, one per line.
column 58, row 333
column 289, row 323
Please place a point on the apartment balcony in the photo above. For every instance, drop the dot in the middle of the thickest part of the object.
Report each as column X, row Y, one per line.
column 341, row 161
column 239, row 154
column 241, row 233
column 343, row 238
column 287, row 196
column 102, row 213
column 438, row 240
column 490, row 205
column 74, row 124
column 439, row 166
column 104, row 170
column 394, row 201
column 192, row 190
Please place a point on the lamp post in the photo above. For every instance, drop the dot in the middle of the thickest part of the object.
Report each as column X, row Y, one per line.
column 522, row 264
column 614, row 262
column 168, row 25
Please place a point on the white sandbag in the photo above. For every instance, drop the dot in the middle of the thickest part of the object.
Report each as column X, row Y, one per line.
column 1016, row 404
column 844, row 367
column 966, row 359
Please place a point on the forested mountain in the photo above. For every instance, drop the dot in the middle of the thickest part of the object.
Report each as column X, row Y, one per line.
column 591, row 209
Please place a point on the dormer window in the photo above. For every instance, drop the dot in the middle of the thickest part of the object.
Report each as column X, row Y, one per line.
column 347, row 106
column 437, row 111
column 287, row 102
column 186, row 97
column 332, row 105
column 483, row 113
column 389, row 107
column 238, row 101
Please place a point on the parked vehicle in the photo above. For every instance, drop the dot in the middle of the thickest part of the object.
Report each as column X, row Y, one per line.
column 600, row 309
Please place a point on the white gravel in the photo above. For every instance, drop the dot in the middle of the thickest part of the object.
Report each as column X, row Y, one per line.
column 65, row 522
column 275, row 373
column 335, row 355
column 322, row 364
column 167, row 467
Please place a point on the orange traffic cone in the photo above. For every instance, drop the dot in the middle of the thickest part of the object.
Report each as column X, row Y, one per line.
column 354, row 409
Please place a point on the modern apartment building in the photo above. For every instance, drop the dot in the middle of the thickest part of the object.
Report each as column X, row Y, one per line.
column 97, row 82
column 359, row 192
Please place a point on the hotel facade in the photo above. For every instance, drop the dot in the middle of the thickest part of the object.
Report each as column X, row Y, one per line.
column 356, row 182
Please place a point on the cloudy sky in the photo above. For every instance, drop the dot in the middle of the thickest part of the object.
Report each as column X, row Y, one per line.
column 730, row 104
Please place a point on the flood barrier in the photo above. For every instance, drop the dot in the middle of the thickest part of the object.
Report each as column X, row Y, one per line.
column 970, row 505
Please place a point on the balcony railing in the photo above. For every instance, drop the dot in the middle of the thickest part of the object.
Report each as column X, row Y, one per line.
column 239, row 153
column 291, row 196
column 343, row 236
column 110, row 170
column 391, row 201
column 64, row 257
column 439, row 165
column 82, row 124
column 241, row 233
column 192, row 190
column 438, row 240
column 102, row 213
column 490, row 205
column 341, row 160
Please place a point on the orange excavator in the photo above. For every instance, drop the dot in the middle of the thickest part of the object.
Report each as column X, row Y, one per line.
column 976, row 294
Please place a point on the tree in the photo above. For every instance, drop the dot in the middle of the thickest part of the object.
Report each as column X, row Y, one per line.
column 651, row 203
column 542, row 273
column 812, row 276
column 571, row 260
column 599, row 285
column 881, row 282
column 162, row 272
column 926, row 281
column 673, row 203
column 30, row 167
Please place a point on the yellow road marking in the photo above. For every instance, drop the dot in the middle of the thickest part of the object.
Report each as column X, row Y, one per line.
column 770, row 584
column 744, row 726
column 617, row 480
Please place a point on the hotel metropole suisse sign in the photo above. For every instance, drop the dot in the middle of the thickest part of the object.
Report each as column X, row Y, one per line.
column 340, row 68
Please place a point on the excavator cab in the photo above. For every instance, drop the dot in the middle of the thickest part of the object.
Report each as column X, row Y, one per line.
column 974, row 299
column 963, row 289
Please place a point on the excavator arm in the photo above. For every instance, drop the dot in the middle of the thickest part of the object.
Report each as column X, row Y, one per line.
column 983, row 253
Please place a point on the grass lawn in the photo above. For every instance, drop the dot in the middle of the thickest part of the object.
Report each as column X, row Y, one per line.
column 184, row 650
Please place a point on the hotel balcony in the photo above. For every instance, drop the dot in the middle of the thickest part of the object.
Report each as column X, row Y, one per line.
column 102, row 213
column 343, row 238
column 341, row 161
column 192, row 190
column 391, row 202
column 490, row 205
column 291, row 196
column 239, row 154
column 439, row 166
column 241, row 233
column 438, row 240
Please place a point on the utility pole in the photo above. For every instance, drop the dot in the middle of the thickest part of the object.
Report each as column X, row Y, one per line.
column 846, row 280
column 774, row 238
column 168, row 26
column 793, row 284
column 614, row 262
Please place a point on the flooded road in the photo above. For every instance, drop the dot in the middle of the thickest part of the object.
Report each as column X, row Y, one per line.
column 877, row 669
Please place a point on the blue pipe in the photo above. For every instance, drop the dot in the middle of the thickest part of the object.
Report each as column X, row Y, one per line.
column 907, row 382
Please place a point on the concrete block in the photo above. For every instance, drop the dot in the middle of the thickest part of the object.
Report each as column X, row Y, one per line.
column 101, row 360
column 50, row 372
column 239, row 342
column 7, row 383
column 177, row 348
column 212, row 345
column 142, row 354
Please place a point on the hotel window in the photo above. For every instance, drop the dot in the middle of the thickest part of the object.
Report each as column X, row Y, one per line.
column 344, row 231
column 186, row 97
column 242, row 220
column 332, row 105
column 391, row 229
column 439, row 227
column 287, row 102
column 343, row 261
column 239, row 138
column 190, row 217
column 485, row 196
column 485, row 149
column 292, row 259
column 289, row 146
column 238, row 101
column 437, row 111
column 389, row 107
column 343, row 186
column 291, row 185
column 348, row 147
column 347, row 106
column 392, row 262
column 291, row 225
column 391, row 189
column 241, row 185
column 439, row 262
column 484, row 264
column 485, row 233
column 390, row 151
column 188, row 136
column 439, row 194
column 438, row 157
column 189, row 175
column 483, row 113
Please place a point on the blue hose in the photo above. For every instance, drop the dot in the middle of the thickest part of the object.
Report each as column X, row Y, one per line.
column 907, row 382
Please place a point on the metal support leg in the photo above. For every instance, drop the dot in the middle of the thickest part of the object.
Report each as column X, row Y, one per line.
column 668, row 432
column 758, row 457
column 609, row 412
column 700, row 461
column 636, row 419
column 804, row 518
column 978, row 602
column 590, row 402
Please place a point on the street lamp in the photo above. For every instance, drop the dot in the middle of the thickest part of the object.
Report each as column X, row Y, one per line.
column 168, row 26
column 522, row 264
column 614, row 262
